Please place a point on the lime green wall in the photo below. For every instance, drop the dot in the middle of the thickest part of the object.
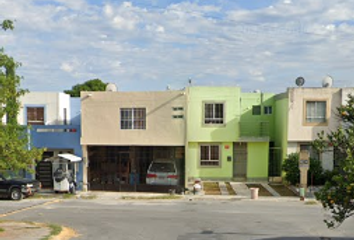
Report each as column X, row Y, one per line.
column 257, row 160
column 193, row 168
column 281, row 121
column 196, row 130
column 248, row 120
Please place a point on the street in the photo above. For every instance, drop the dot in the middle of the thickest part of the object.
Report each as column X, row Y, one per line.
column 181, row 220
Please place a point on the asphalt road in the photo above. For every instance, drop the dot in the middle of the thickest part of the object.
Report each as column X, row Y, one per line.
column 183, row 220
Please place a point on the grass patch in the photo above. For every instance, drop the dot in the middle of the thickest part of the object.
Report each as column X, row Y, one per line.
column 68, row 196
column 262, row 191
column 311, row 202
column 54, row 230
column 211, row 188
column 163, row 197
column 2, row 230
column 230, row 189
column 88, row 197
column 282, row 190
column 44, row 196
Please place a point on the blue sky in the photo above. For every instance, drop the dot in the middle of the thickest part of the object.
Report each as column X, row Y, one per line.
column 150, row 44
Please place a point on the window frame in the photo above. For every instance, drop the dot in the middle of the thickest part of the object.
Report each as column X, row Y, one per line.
column 258, row 107
column 26, row 107
column 215, row 119
column 200, row 160
column 131, row 120
column 327, row 107
column 267, row 112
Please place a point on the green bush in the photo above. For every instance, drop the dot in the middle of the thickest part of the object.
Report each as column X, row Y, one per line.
column 316, row 175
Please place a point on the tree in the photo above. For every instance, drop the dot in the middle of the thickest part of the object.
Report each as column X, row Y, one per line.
column 337, row 195
column 15, row 151
column 90, row 85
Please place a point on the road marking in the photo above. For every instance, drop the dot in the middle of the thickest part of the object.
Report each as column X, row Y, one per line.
column 29, row 208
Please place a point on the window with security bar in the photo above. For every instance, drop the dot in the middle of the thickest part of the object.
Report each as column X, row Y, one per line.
column 316, row 111
column 35, row 115
column 213, row 113
column 133, row 118
column 210, row 155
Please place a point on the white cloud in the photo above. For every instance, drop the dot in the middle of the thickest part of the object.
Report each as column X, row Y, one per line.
column 142, row 47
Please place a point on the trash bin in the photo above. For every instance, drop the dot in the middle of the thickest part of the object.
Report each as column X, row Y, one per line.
column 302, row 193
column 254, row 193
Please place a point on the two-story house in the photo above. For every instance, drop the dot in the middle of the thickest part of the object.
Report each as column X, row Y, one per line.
column 54, row 124
column 123, row 132
column 302, row 113
column 228, row 134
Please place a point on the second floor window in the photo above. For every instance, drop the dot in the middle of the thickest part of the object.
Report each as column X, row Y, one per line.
column 133, row 118
column 35, row 115
column 213, row 113
column 316, row 111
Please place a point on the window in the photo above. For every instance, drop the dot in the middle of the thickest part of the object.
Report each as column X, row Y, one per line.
column 35, row 115
column 177, row 108
column 210, row 155
column 177, row 116
column 133, row 118
column 256, row 110
column 268, row 110
column 316, row 111
column 213, row 113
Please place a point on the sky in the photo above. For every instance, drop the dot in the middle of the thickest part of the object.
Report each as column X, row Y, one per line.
column 149, row 45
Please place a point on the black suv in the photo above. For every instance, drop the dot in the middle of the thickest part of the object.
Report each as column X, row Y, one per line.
column 17, row 188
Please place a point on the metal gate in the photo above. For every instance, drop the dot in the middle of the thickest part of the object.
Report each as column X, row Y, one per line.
column 240, row 160
column 275, row 159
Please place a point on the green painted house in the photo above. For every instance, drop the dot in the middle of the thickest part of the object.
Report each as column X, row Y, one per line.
column 229, row 134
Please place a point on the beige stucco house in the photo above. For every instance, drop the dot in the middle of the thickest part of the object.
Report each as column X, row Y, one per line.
column 123, row 132
column 309, row 112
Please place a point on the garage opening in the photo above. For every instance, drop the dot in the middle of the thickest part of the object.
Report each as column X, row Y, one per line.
column 125, row 168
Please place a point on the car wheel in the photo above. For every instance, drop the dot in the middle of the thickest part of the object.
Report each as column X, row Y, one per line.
column 16, row 194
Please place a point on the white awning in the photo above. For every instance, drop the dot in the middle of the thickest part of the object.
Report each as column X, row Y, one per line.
column 70, row 157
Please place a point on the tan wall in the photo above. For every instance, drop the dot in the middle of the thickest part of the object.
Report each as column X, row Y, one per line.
column 298, row 130
column 100, row 114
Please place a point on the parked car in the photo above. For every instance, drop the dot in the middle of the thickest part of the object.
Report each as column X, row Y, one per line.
column 162, row 173
column 16, row 188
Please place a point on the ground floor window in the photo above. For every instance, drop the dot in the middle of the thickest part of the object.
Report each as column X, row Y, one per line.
column 210, row 155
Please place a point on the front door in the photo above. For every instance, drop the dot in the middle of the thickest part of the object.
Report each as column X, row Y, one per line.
column 240, row 160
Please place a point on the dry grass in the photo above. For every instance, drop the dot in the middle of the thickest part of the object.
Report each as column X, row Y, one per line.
column 230, row 189
column 282, row 190
column 211, row 188
column 262, row 192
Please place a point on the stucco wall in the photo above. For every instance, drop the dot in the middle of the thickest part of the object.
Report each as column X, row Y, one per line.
column 194, row 170
column 197, row 130
column 100, row 114
column 257, row 160
column 298, row 130
column 281, row 123
column 53, row 104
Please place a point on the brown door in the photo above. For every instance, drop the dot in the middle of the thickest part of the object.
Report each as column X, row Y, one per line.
column 240, row 160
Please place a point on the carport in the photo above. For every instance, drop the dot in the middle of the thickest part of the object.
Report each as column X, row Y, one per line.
column 124, row 168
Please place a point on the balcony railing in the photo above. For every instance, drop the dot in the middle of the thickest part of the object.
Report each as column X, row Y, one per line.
column 254, row 129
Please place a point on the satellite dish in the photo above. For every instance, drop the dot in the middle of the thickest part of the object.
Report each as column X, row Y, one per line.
column 300, row 81
column 111, row 87
column 327, row 81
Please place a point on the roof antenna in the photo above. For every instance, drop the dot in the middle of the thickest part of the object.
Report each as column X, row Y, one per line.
column 190, row 81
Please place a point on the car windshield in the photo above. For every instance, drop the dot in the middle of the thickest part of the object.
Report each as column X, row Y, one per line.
column 162, row 167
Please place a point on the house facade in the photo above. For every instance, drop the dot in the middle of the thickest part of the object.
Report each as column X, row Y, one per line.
column 53, row 125
column 228, row 134
column 123, row 132
column 303, row 113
